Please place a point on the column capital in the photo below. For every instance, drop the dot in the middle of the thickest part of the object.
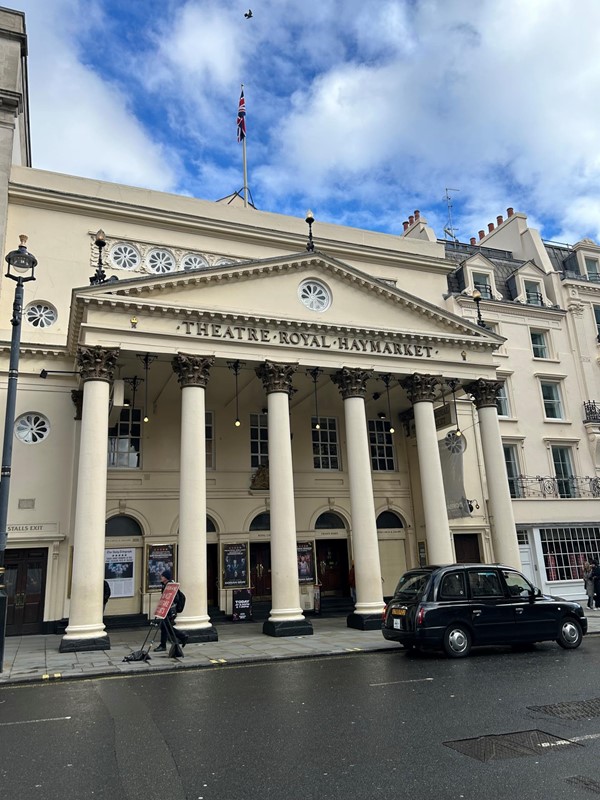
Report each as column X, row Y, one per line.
column 420, row 388
column 276, row 377
column 97, row 363
column 192, row 370
column 351, row 382
column 484, row 392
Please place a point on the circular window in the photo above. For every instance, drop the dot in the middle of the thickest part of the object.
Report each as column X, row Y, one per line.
column 124, row 256
column 40, row 314
column 314, row 295
column 224, row 262
column 160, row 261
column 194, row 261
column 32, row 428
column 455, row 442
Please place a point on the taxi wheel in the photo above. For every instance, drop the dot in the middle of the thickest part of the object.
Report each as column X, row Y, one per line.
column 457, row 641
column 570, row 634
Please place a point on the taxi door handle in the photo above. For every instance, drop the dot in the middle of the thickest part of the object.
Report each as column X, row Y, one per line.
column 518, row 610
column 477, row 613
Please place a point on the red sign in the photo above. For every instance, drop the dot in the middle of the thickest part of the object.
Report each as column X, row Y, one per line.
column 166, row 600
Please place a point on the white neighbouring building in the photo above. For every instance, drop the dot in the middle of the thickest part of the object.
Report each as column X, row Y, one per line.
column 223, row 402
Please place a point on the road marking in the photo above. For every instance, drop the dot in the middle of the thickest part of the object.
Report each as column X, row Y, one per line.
column 392, row 683
column 32, row 721
column 563, row 742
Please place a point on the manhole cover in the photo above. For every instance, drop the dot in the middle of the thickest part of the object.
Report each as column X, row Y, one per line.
column 509, row 745
column 585, row 783
column 579, row 709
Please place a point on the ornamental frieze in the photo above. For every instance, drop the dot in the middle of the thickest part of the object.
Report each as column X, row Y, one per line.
column 192, row 370
column 351, row 382
column 314, row 341
column 276, row 377
column 97, row 363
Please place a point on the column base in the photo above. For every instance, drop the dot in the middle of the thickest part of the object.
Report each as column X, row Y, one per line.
column 364, row 622
column 201, row 634
column 297, row 627
column 84, row 645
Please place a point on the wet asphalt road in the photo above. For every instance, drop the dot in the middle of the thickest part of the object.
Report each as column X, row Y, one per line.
column 357, row 726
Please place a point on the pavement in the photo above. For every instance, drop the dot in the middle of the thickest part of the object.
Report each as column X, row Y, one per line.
column 30, row 659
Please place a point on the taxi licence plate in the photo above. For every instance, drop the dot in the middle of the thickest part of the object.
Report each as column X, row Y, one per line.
column 398, row 612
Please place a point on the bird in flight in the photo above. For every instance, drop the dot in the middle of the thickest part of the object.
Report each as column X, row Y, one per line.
column 248, row 14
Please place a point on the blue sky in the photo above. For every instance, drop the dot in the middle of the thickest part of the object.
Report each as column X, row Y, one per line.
column 360, row 110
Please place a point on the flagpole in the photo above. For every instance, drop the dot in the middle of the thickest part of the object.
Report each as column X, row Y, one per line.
column 245, row 172
column 244, row 164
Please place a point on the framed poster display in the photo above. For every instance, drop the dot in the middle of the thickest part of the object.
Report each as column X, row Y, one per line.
column 159, row 557
column 235, row 565
column 306, row 562
column 119, row 563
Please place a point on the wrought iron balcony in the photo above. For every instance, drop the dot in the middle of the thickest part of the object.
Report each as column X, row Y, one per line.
column 542, row 487
column 591, row 410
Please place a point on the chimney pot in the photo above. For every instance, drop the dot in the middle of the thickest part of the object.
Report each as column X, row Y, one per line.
column 473, row 240
column 510, row 212
column 411, row 219
column 499, row 220
column 481, row 234
column 417, row 214
column 490, row 227
column 405, row 224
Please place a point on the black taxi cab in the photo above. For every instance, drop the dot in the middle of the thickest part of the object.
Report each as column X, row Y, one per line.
column 458, row 606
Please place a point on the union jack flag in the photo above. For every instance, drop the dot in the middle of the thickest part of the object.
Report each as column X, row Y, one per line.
column 241, row 119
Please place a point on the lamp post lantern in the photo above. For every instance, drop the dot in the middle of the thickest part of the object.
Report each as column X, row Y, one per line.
column 477, row 298
column 21, row 267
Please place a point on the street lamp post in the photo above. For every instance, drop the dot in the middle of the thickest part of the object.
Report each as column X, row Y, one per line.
column 21, row 266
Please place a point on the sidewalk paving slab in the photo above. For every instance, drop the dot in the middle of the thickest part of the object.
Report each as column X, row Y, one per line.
column 29, row 659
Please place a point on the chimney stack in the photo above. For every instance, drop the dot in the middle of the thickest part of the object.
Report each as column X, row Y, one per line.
column 490, row 227
column 417, row 214
column 481, row 234
column 411, row 219
column 499, row 220
column 509, row 212
column 405, row 224
column 473, row 240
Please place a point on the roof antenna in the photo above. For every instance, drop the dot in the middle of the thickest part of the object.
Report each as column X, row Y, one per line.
column 449, row 228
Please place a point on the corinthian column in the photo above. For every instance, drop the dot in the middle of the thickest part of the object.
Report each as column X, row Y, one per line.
column 193, row 374
column 286, row 618
column 504, row 533
column 367, row 569
column 421, row 392
column 85, row 630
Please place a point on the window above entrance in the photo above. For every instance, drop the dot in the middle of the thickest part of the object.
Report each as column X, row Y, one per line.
column 314, row 295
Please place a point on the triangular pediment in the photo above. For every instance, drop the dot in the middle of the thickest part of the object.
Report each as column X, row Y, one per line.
column 275, row 290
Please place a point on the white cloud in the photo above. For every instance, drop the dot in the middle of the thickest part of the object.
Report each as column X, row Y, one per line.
column 369, row 109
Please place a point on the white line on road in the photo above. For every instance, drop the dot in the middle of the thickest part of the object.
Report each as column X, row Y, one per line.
column 563, row 742
column 392, row 683
column 32, row 721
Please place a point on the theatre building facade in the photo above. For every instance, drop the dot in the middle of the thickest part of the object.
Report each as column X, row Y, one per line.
column 258, row 403
column 253, row 403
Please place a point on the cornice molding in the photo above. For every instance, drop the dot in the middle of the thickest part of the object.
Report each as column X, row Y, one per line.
column 109, row 209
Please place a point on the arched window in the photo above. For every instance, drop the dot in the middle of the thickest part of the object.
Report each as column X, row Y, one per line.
column 210, row 525
column 330, row 521
column 261, row 522
column 123, row 525
column 387, row 519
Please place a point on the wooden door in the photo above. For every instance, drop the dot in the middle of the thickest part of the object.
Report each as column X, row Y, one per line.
column 212, row 572
column 332, row 567
column 25, row 587
column 466, row 547
column 260, row 570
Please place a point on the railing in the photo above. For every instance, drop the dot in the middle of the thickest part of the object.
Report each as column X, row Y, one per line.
column 591, row 411
column 534, row 298
column 542, row 487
